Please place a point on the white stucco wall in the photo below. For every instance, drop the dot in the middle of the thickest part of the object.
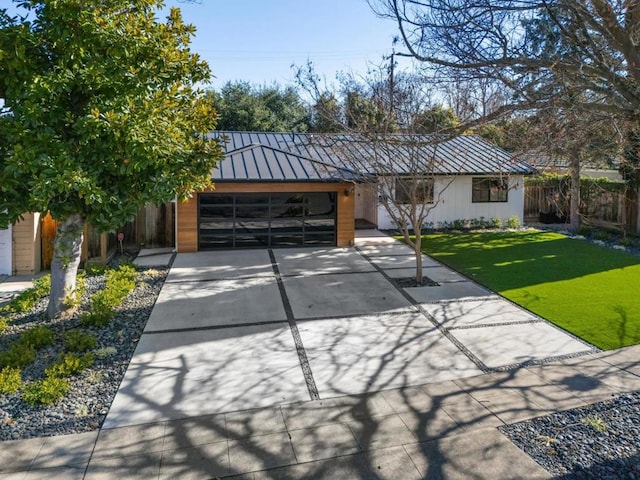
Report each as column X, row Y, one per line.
column 5, row 251
column 455, row 203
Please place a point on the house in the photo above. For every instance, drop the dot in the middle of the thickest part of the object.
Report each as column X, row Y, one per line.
column 291, row 189
column 20, row 246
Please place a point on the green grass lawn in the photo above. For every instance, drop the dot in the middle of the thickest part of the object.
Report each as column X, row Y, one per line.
column 591, row 291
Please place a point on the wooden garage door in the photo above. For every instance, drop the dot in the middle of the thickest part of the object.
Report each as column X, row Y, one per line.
column 255, row 220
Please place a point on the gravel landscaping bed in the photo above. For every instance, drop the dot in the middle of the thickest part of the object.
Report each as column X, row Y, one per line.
column 599, row 441
column 85, row 406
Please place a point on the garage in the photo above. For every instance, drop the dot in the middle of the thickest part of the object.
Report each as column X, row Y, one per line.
column 260, row 220
column 264, row 197
column 5, row 251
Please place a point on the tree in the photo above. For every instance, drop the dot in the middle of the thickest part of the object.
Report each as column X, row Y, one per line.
column 100, row 117
column 530, row 47
column 380, row 136
column 243, row 107
column 570, row 56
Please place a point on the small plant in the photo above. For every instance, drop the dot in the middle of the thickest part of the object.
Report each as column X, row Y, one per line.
column 78, row 340
column 69, row 364
column 46, row 391
column 459, row 224
column 595, row 422
column 105, row 352
column 513, row 222
column 119, row 283
column 37, row 337
column 602, row 235
column 17, row 355
column 496, row 222
column 625, row 242
column 74, row 299
column 27, row 299
column 3, row 324
column 10, row 380
column 96, row 269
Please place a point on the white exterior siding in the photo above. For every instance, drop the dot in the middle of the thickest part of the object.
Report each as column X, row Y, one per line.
column 6, row 254
column 455, row 203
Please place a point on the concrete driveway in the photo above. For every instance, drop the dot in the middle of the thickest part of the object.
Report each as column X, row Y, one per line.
column 236, row 330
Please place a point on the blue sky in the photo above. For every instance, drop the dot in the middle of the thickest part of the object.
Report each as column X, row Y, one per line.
column 259, row 40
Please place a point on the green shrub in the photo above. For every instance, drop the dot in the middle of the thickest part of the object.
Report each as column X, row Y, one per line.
column 26, row 300
column 37, row 337
column 95, row 269
column 46, row 391
column 74, row 299
column 626, row 241
column 3, row 324
column 513, row 222
column 17, row 355
column 69, row 364
column 119, row 283
column 496, row 222
column 459, row 224
column 78, row 340
column 10, row 380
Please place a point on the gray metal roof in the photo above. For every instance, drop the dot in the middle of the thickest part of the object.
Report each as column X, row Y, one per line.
column 264, row 163
column 397, row 154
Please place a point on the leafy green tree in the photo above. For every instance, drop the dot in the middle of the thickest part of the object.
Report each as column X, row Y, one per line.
column 242, row 107
column 100, row 116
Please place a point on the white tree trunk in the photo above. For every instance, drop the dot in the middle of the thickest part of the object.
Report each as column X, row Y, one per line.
column 67, row 248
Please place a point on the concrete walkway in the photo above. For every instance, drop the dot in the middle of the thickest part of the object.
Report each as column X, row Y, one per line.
column 440, row 430
column 311, row 363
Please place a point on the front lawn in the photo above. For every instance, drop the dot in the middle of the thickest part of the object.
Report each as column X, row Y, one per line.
column 591, row 291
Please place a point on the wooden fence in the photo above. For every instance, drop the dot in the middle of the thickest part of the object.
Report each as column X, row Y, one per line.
column 606, row 208
column 153, row 227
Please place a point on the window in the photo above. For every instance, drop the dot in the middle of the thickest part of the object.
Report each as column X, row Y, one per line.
column 489, row 190
column 420, row 189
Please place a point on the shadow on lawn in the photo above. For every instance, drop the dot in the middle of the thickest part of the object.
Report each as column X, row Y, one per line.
column 510, row 260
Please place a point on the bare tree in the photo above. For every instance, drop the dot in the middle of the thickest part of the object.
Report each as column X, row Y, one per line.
column 383, row 136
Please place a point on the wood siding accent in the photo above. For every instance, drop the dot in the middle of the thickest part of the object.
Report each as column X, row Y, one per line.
column 187, row 212
column 27, row 245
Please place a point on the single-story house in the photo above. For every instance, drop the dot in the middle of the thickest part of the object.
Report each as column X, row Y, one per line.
column 292, row 189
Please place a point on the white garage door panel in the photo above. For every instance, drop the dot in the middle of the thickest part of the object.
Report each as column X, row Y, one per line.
column 5, row 252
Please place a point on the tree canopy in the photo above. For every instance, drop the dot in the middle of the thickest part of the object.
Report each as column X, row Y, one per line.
column 100, row 116
column 244, row 107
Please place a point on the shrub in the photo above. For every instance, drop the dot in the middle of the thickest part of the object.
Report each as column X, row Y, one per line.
column 27, row 299
column 105, row 352
column 77, row 340
column 96, row 269
column 496, row 222
column 10, row 380
column 46, row 391
column 17, row 355
column 3, row 324
column 74, row 299
column 69, row 364
column 459, row 224
column 513, row 222
column 119, row 283
column 37, row 337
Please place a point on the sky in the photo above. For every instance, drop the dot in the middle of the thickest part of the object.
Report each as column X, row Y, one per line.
column 259, row 40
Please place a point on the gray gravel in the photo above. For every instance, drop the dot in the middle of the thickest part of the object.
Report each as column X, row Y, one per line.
column 85, row 406
column 599, row 441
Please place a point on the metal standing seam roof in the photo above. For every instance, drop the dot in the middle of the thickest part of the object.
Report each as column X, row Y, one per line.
column 265, row 163
column 398, row 154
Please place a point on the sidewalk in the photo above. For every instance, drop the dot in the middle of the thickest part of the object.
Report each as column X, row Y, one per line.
column 438, row 430
column 13, row 285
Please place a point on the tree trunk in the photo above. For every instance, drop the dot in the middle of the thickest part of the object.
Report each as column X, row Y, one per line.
column 574, row 205
column 67, row 248
column 417, row 249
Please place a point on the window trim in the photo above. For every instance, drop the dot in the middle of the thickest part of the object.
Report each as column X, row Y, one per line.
column 499, row 184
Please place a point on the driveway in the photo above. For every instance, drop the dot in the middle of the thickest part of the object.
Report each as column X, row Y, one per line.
column 236, row 330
